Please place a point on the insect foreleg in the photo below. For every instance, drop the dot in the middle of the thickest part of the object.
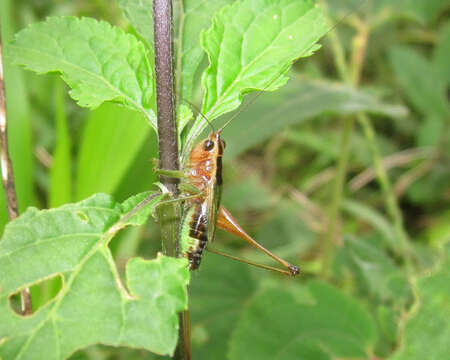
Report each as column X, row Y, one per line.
column 176, row 174
column 226, row 222
column 189, row 188
column 178, row 199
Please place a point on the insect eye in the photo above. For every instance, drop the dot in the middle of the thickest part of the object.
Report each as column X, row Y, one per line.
column 208, row 145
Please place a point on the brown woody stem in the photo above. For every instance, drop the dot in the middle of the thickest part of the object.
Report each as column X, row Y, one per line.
column 168, row 147
column 7, row 175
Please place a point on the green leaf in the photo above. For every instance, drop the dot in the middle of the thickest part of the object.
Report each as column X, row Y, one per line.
column 194, row 16
column 60, row 190
column 185, row 115
column 140, row 173
column 250, row 45
column 427, row 328
column 140, row 15
column 93, row 306
column 99, row 62
column 278, row 325
column 110, row 142
column 191, row 17
column 442, row 53
column 376, row 273
column 376, row 10
column 430, row 131
column 424, row 11
column 218, row 294
column 372, row 217
column 252, row 42
column 421, row 82
column 300, row 100
column 247, row 193
column 285, row 233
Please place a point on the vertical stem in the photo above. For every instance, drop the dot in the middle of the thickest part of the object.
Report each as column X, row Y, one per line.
column 391, row 201
column 349, row 75
column 352, row 74
column 167, row 138
column 168, row 148
column 338, row 189
column 8, row 176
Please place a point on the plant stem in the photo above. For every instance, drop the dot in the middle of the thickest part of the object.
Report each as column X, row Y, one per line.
column 349, row 75
column 393, row 209
column 391, row 201
column 338, row 189
column 169, row 214
column 167, row 138
column 8, row 176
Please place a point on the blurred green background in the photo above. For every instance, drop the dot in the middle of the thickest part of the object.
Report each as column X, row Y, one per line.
column 385, row 68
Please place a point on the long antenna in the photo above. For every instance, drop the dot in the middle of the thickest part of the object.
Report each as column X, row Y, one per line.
column 246, row 105
column 198, row 111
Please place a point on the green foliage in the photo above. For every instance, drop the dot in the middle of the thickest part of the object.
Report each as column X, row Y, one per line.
column 279, row 179
column 320, row 324
column 297, row 102
column 218, row 296
column 99, row 62
column 72, row 241
column 427, row 330
column 61, row 171
column 193, row 19
column 140, row 15
column 242, row 58
column 111, row 139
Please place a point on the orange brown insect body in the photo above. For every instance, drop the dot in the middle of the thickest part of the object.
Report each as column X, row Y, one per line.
column 203, row 213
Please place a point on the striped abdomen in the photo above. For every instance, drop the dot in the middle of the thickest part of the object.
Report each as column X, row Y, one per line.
column 194, row 233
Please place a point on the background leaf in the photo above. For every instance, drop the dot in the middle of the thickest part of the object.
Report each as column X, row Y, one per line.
column 299, row 100
column 72, row 241
column 140, row 15
column 427, row 329
column 218, row 293
column 99, row 62
column 441, row 53
column 194, row 16
column 112, row 138
column 61, row 170
column 330, row 325
column 421, row 82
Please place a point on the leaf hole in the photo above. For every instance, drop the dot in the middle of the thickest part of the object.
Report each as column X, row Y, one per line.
column 131, row 242
column 42, row 293
column 82, row 216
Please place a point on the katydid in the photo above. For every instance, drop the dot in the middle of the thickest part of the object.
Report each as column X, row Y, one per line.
column 202, row 184
column 203, row 212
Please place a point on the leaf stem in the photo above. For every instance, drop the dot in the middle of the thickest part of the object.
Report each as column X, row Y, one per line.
column 169, row 214
column 392, row 206
column 8, row 176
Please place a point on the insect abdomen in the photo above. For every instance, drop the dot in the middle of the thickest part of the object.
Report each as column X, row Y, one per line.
column 194, row 234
